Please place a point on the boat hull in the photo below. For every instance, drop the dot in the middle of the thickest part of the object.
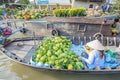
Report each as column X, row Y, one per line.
column 62, row 76
column 14, row 55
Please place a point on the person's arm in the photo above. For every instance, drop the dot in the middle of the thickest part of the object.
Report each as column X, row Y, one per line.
column 90, row 58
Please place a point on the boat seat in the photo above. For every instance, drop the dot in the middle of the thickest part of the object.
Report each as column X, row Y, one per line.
column 29, row 54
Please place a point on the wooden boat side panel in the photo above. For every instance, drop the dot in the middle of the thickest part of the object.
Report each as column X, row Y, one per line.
column 72, row 29
column 80, row 20
column 67, row 26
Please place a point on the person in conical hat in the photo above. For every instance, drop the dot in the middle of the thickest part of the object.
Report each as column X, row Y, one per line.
column 95, row 44
column 95, row 56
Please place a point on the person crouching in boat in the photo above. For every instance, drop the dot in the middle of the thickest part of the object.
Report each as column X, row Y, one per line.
column 95, row 58
column 115, row 28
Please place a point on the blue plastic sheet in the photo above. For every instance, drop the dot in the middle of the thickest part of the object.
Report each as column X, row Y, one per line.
column 78, row 49
column 110, row 61
column 40, row 64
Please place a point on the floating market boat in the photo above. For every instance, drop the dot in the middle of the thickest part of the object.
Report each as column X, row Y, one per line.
column 68, row 26
column 21, row 50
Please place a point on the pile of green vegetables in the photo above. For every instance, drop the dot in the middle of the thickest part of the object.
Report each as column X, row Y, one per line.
column 56, row 51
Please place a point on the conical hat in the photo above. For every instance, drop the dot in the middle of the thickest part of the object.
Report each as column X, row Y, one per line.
column 95, row 44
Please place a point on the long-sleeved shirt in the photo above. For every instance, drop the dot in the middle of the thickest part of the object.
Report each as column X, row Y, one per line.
column 94, row 59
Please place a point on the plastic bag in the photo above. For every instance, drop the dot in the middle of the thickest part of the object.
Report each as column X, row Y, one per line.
column 112, row 54
column 7, row 31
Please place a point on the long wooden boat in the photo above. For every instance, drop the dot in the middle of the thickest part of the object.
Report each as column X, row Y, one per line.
column 20, row 50
column 68, row 26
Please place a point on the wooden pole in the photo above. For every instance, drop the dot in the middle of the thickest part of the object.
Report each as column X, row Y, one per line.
column 72, row 4
column 35, row 4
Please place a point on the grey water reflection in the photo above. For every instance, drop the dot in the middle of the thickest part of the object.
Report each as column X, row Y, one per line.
column 5, row 69
column 10, row 70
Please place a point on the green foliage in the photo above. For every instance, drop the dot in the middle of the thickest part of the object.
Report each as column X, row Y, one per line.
column 34, row 13
column 6, row 1
column 9, row 11
column 118, row 15
column 70, row 12
column 24, row 1
column 57, row 5
column 117, row 4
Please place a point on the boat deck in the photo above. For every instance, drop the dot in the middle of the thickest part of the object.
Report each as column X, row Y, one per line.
column 23, row 49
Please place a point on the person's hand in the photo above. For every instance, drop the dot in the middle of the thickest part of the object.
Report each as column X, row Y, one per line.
column 81, row 58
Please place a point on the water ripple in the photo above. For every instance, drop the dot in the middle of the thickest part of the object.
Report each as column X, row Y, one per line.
column 5, row 73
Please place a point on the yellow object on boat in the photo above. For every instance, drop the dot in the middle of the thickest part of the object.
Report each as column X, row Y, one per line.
column 70, row 66
column 87, row 49
column 114, row 31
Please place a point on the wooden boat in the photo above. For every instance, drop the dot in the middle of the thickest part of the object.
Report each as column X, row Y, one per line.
column 68, row 26
column 20, row 50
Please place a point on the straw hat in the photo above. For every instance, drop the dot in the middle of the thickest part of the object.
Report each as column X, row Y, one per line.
column 95, row 44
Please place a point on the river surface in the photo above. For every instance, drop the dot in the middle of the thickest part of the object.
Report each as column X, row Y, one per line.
column 10, row 70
